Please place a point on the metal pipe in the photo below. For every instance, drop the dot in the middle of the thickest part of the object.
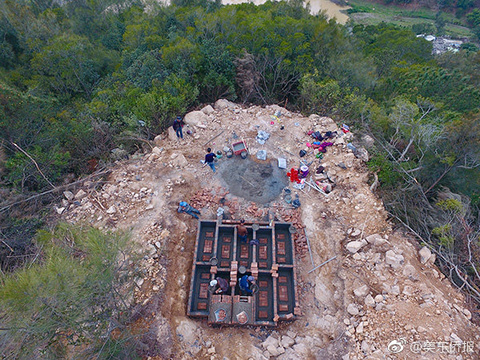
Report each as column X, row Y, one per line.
column 316, row 267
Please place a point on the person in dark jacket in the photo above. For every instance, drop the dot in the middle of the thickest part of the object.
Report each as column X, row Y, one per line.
column 222, row 285
column 188, row 209
column 245, row 283
column 209, row 159
column 177, row 126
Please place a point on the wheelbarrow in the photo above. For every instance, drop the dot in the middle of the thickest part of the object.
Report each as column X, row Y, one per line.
column 240, row 148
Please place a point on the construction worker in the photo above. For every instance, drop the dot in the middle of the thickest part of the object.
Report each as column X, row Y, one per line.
column 222, row 285
column 209, row 159
column 190, row 210
column 245, row 283
column 242, row 231
column 177, row 126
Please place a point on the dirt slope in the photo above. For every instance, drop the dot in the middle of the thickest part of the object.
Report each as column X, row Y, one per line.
column 376, row 297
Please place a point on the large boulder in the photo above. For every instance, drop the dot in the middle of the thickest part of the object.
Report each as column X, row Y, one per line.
column 158, row 140
column 208, row 110
column 361, row 291
column 362, row 154
column 171, row 134
column 393, row 259
column 352, row 309
column 425, row 254
column 80, row 195
column 354, row 246
column 270, row 341
column 223, row 104
column 375, row 239
column 68, row 195
column 179, row 160
column 195, row 118
column 287, row 341
column 323, row 123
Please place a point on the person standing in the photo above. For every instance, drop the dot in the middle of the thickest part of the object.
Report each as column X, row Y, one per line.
column 242, row 231
column 177, row 126
column 188, row 209
column 209, row 159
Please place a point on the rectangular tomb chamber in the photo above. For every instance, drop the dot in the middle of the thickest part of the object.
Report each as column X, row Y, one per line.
column 268, row 256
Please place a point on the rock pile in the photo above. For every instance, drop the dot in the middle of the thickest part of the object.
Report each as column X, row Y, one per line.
column 379, row 289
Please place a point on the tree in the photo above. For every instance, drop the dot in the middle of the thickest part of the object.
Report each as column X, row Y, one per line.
column 423, row 28
column 70, row 65
column 391, row 46
column 457, row 150
column 440, row 22
column 328, row 98
column 76, row 297
column 411, row 126
column 163, row 102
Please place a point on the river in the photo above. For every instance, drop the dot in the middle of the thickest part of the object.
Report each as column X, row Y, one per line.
column 332, row 10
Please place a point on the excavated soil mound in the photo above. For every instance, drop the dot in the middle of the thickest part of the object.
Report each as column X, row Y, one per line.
column 260, row 182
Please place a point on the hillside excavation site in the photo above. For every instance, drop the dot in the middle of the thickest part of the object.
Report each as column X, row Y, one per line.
column 330, row 276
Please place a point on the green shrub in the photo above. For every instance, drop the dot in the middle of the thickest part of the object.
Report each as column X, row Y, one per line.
column 71, row 298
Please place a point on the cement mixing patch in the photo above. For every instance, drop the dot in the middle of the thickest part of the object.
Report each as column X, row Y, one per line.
column 254, row 180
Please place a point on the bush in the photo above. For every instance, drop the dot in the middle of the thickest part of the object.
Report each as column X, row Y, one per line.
column 73, row 299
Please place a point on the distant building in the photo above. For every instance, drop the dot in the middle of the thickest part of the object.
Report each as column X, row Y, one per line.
column 442, row 44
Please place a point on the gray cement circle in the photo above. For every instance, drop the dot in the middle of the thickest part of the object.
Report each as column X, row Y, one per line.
column 254, row 180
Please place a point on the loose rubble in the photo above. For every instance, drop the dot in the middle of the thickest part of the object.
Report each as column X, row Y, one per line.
column 381, row 293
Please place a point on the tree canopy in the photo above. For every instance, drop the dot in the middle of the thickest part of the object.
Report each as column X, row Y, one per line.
column 80, row 78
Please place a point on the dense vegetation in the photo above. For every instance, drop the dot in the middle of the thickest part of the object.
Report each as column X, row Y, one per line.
column 84, row 78
column 77, row 297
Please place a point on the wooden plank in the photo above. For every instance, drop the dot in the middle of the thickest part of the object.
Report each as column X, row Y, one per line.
column 281, row 248
column 283, row 307
column 282, row 279
column 209, row 234
column 205, row 276
column 206, row 258
column 281, row 260
column 224, row 264
column 213, row 138
column 283, row 293
column 202, row 306
column 227, row 239
column 281, row 236
column 203, row 294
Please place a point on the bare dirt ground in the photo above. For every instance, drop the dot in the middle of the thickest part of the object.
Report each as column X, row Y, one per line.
column 375, row 300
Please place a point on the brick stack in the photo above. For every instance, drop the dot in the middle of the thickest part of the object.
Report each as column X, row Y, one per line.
column 300, row 241
column 208, row 197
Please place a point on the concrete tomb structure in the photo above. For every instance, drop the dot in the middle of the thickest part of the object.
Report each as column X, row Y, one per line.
column 269, row 258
